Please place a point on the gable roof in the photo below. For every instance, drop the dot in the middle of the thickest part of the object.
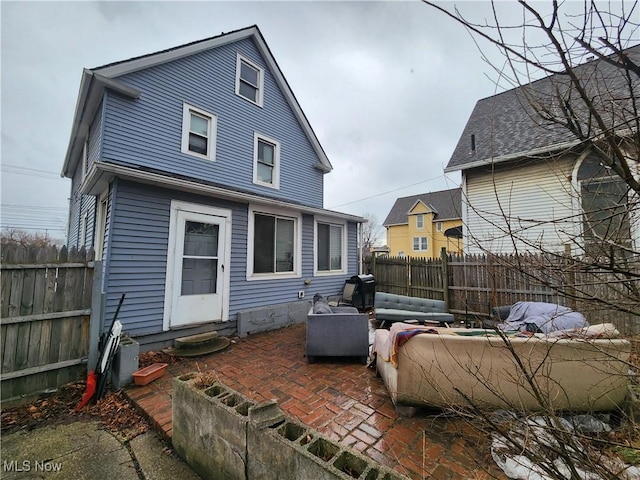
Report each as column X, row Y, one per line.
column 505, row 126
column 446, row 204
column 95, row 81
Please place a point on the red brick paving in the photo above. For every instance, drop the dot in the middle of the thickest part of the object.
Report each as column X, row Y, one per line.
column 338, row 398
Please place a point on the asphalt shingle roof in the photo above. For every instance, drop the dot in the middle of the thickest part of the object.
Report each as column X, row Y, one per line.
column 505, row 125
column 447, row 204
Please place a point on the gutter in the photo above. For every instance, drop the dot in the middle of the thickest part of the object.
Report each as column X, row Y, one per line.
column 513, row 156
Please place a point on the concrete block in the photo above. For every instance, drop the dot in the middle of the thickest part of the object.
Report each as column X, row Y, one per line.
column 210, row 428
column 221, row 434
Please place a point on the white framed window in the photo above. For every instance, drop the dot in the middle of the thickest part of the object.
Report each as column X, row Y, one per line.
column 420, row 221
column 101, row 224
column 419, row 243
column 198, row 132
column 439, row 226
column 273, row 246
column 249, row 80
column 330, row 247
column 85, row 157
column 266, row 161
column 83, row 229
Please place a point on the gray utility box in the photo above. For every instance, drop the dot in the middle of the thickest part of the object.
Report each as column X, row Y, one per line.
column 125, row 363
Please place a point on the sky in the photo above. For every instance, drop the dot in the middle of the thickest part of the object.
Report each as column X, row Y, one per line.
column 387, row 87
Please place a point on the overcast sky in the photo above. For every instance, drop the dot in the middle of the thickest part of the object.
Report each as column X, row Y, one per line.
column 387, row 87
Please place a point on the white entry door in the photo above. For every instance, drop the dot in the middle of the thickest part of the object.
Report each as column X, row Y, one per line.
column 197, row 286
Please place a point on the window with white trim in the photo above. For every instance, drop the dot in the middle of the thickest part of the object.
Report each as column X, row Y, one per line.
column 439, row 226
column 274, row 244
column 329, row 247
column 266, row 161
column 101, row 224
column 84, row 221
column 198, row 132
column 249, row 80
column 420, row 221
column 85, row 157
column 419, row 243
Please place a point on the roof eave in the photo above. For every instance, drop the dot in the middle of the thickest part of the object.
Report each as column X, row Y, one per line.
column 92, row 87
column 140, row 63
column 102, row 173
column 513, row 156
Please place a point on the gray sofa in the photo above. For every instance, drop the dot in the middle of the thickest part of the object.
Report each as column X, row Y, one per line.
column 338, row 332
column 390, row 308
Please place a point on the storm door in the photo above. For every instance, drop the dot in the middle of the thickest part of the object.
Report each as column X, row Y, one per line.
column 198, row 269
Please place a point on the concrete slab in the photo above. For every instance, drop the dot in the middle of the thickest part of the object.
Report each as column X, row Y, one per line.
column 155, row 463
column 75, row 451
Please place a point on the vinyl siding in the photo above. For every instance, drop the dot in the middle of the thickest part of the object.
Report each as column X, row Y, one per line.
column 535, row 200
column 147, row 132
column 137, row 258
column 81, row 204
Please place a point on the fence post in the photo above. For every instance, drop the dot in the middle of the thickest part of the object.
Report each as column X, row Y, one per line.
column 571, row 278
column 445, row 277
column 95, row 323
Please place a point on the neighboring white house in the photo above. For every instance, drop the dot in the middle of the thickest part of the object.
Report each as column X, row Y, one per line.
column 530, row 184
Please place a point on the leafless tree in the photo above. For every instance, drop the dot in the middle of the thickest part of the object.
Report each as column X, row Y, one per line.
column 576, row 68
column 371, row 232
column 588, row 104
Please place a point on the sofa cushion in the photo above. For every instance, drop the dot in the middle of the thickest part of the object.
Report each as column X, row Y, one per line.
column 402, row 302
column 402, row 315
column 320, row 304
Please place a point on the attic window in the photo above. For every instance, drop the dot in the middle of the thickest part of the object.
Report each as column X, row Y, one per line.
column 473, row 143
column 198, row 132
column 249, row 80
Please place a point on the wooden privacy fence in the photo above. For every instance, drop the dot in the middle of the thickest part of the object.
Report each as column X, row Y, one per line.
column 473, row 284
column 45, row 312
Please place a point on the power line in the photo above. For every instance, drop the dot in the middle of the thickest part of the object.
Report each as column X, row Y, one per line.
column 388, row 192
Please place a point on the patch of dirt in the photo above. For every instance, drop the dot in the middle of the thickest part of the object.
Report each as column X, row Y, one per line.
column 116, row 413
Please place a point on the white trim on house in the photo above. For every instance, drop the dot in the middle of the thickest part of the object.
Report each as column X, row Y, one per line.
column 83, row 228
column 294, row 215
column 258, row 137
column 212, row 128
column 345, row 259
column 422, row 242
column 95, row 81
column 180, row 206
column 419, row 221
column 259, row 86
column 101, row 173
column 102, row 208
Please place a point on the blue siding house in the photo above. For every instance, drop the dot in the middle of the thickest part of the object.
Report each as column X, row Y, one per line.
column 198, row 180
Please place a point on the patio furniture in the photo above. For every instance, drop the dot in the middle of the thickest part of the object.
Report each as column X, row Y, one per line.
column 336, row 332
column 358, row 291
column 578, row 370
column 390, row 307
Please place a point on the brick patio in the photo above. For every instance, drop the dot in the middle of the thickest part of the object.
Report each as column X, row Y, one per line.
column 339, row 398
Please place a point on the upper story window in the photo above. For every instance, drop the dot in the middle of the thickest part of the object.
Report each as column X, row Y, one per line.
column 330, row 247
column 249, row 80
column 266, row 161
column 419, row 243
column 420, row 220
column 439, row 226
column 198, row 132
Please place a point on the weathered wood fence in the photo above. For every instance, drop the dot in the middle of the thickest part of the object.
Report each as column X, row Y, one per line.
column 45, row 309
column 473, row 284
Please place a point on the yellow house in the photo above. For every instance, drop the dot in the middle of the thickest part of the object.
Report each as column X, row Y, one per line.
column 421, row 225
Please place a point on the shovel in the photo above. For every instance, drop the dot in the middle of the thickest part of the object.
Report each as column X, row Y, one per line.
column 96, row 380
